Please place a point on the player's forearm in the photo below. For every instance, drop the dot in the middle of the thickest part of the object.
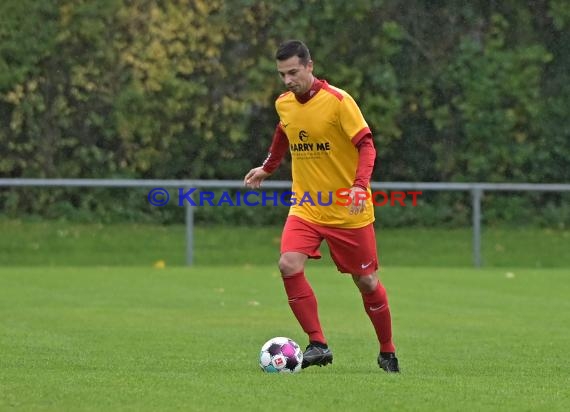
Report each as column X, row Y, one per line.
column 277, row 150
column 366, row 158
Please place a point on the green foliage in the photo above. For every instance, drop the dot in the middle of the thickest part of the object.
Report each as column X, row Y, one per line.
column 472, row 91
column 492, row 106
column 24, row 42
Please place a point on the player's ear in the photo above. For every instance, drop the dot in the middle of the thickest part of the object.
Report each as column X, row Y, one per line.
column 310, row 65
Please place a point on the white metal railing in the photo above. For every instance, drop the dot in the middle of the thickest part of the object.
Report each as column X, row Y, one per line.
column 476, row 189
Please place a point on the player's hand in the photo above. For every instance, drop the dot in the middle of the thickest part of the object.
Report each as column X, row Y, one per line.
column 358, row 198
column 254, row 177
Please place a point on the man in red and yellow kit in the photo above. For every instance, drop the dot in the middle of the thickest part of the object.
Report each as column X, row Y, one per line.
column 332, row 150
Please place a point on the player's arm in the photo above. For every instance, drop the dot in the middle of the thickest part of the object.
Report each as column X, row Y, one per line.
column 277, row 150
column 366, row 158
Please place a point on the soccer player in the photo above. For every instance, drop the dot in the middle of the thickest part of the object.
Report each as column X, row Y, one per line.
column 333, row 155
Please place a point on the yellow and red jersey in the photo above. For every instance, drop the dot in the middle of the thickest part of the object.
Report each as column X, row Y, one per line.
column 322, row 131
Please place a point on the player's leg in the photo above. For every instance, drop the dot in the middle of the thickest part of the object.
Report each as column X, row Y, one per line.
column 354, row 252
column 300, row 241
column 375, row 300
column 300, row 295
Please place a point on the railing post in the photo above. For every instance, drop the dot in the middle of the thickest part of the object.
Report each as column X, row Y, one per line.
column 189, row 232
column 476, row 195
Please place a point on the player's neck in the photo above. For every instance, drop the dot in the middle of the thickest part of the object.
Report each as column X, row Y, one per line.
column 316, row 85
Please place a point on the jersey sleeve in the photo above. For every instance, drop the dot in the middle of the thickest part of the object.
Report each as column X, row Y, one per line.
column 351, row 120
column 366, row 158
column 277, row 151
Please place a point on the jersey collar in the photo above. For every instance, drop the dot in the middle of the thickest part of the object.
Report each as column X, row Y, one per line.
column 308, row 95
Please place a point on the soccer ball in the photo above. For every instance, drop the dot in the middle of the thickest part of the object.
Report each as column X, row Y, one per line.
column 280, row 355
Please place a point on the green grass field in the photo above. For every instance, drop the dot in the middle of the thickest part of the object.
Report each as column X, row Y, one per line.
column 88, row 324
column 63, row 244
column 142, row 339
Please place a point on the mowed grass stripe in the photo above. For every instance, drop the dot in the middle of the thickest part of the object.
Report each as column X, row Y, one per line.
column 53, row 243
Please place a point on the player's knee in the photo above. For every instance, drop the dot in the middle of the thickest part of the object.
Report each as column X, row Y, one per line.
column 367, row 283
column 289, row 265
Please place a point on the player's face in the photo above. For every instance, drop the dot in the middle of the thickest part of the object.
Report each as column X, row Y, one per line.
column 297, row 77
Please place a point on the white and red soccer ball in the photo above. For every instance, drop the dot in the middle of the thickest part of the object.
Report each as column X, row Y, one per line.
column 280, row 355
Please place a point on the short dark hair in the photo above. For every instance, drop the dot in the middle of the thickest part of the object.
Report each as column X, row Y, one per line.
column 292, row 48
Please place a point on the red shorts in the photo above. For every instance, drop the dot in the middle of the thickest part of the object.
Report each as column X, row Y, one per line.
column 352, row 250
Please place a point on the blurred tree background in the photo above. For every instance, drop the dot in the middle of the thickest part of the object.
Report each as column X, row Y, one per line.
column 473, row 91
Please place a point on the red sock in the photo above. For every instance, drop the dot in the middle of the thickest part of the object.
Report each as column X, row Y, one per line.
column 376, row 306
column 303, row 303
